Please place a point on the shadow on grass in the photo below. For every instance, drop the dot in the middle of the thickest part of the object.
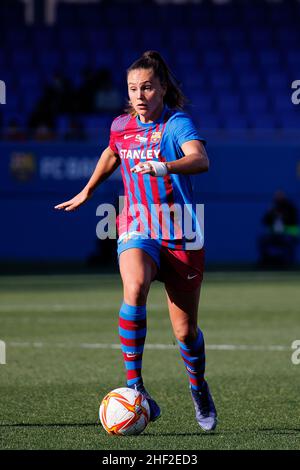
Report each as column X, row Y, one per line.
column 212, row 434
column 180, row 434
column 280, row 430
column 46, row 425
column 82, row 425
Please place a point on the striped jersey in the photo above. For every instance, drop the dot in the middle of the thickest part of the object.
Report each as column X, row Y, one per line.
column 162, row 208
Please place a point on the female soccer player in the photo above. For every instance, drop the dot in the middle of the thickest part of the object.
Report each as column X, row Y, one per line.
column 158, row 147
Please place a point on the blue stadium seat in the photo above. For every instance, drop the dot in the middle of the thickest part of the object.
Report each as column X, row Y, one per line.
column 12, row 13
column 249, row 81
column 152, row 39
column 17, row 37
column 22, row 59
column 261, row 37
column 17, row 114
column 263, row 121
column 116, row 16
column 197, row 17
column 206, row 121
column 268, row 57
column 95, row 126
column 180, row 38
column 8, row 75
column 196, row 82
column 234, row 36
column 293, row 58
column 277, row 81
column 205, row 38
column 62, row 124
column 213, row 59
column 125, row 34
column 225, row 14
column 253, row 14
column 174, row 16
column 70, row 38
column 280, row 14
column 222, row 82
column 235, row 122
column 44, row 39
column 13, row 102
column 283, row 103
column 3, row 61
column 30, row 80
column 242, row 59
column 202, row 102
column 236, row 63
column 98, row 38
column 128, row 56
column 229, row 103
column 287, row 37
column 50, row 59
column 186, row 58
column 104, row 58
column 90, row 16
column 289, row 120
column 77, row 59
column 30, row 99
column 256, row 102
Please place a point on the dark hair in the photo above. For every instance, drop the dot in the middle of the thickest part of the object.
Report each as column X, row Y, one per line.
column 174, row 97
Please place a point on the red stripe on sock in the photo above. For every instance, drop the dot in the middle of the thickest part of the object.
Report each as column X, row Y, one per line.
column 132, row 325
column 197, row 382
column 132, row 342
column 133, row 374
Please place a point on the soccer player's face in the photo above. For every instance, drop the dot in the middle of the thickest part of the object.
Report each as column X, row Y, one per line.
column 146, row 94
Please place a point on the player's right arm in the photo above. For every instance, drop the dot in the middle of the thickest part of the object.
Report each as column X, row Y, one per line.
column 107, row 164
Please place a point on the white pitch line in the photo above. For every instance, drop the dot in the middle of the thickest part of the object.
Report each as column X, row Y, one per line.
column 212, row 347
column 48, row 307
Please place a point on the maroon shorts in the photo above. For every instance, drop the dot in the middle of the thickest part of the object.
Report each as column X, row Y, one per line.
column 181, row 270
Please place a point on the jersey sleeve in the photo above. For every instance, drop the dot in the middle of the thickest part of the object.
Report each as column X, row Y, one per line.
column 112, row 139
column 183, row 130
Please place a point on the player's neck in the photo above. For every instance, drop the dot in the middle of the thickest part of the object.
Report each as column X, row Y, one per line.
column 153, row 117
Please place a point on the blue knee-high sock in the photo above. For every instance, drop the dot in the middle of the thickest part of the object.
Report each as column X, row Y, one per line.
column 132, row 332
column 193, row 355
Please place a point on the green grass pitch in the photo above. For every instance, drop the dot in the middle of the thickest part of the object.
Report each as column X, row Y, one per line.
column 62, row 357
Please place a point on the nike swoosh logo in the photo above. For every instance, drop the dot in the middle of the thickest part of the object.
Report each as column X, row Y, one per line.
column 128, row 136
column 191, row 277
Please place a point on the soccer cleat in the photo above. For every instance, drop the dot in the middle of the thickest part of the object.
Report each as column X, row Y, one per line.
column 154, row 408
column 206, row 413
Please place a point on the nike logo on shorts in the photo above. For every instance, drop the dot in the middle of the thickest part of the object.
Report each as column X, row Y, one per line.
column 128, row 136
column 191, row 277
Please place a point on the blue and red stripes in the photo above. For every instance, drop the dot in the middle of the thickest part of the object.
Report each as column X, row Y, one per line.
column 132, row 332
column 193, row 356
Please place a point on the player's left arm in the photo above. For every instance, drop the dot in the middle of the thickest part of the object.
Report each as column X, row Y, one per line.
column 195, row 159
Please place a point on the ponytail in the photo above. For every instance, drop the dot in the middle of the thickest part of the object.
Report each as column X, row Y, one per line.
column 174, row 97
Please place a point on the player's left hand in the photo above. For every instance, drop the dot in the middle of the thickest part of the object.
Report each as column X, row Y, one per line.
column 153, row 169
column 143, row 169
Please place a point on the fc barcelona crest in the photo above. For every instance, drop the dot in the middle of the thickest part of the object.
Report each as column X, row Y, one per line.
column 155, row 137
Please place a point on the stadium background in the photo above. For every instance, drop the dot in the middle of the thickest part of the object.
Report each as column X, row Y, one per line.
column 237, row 61
column 64, row 70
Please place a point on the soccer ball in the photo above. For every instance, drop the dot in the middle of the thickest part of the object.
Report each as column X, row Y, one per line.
column 124, row 411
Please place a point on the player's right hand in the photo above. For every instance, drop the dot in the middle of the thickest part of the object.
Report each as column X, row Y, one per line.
column 75, row 202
